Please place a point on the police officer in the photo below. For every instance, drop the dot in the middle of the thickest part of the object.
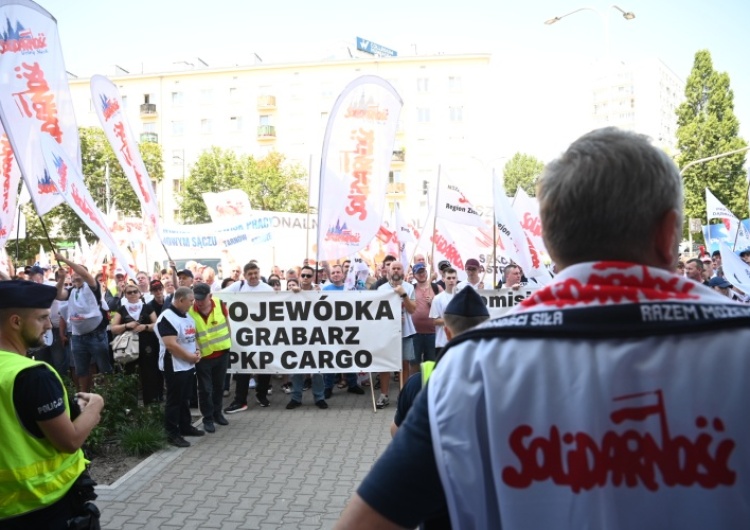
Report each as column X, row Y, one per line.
column 42, row 467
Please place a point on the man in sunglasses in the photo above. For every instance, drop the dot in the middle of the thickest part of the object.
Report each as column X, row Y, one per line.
column 472, row 276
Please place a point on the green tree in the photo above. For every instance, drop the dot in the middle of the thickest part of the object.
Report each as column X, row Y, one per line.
column 522, row 171
column 707, row 126
column 270, row 184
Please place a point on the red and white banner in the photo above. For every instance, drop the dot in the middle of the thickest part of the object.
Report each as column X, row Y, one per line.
column 229, row 205
column 11, row 178
column 357, row 152
column 109, row 107
column 69, row 183
column 509, row 231
column 527, row 211
column 34, row 95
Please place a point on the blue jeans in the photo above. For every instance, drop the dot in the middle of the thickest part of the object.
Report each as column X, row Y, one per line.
column 330, row 379
column 88, row 348
column 317, row 387
column 424, row 347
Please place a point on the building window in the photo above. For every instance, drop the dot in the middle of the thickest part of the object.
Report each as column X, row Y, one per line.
column 423, row 84
column 423, row 115
column 125, row 102
column 176, row 98
column 205, row 126
column 456, row 114
column 234, row 93
column 176, row 186
column 149, row 127
column 177, row 128
column 394, row 177
column 235, row 123
column 454, row 84
column 148, row 98
column 264, row 119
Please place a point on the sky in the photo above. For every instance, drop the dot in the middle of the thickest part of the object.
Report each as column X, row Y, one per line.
column 98, row 34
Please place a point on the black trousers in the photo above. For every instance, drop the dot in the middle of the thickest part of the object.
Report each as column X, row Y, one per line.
column 242, row 382
column 177, row 406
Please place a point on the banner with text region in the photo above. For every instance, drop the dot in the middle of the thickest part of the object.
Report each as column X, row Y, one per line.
column 357, row 153
column 11, row 177
column 34, row 95
column 314, row 332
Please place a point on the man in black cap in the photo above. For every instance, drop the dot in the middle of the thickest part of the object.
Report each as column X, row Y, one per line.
column 465, row 311
column 41, row 462
column 213, row 335
column 185, row 278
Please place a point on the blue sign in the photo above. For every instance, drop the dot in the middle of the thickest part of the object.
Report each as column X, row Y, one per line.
column 373, row 48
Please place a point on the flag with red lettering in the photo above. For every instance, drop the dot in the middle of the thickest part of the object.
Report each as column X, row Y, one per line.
column 509, row 231
column 11, row 178
column 69, row 183
column 227, row 205
column 108, row 104
column 357, row 152
column 34, row 95
column 527, row 212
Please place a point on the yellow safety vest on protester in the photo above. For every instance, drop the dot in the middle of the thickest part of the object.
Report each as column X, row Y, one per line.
column 33, row 474
column 212, row 333
column 427, row 368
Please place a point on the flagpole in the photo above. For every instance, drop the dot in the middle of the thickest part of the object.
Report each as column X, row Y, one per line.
column 309, row 195
column 494, row 230
column 51, row 246
column 434, row 220
column 18, row 232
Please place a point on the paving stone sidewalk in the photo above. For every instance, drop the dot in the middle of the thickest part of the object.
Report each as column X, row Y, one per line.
column 270, row 468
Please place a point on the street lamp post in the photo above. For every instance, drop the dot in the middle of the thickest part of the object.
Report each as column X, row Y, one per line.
column 627, row 15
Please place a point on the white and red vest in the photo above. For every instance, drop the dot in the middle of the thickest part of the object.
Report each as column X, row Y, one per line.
column 615, row 398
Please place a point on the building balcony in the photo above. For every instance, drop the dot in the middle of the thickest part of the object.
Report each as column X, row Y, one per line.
column 396, row 188
column 266, row 132
column 399, row 156
column 266, row 102
column 148, row 110
column 150, row 137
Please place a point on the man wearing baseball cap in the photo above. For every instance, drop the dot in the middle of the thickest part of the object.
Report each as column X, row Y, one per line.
column 185, row 278
column 473, row 279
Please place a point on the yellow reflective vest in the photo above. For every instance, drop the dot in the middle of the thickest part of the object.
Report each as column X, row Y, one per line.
column 33, row 474
column 211, row 333
column 427, row 368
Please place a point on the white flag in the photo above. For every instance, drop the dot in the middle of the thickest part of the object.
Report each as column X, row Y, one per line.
column 357, row 152
column 404, row 235
column 452, row 205
column 736, row 271
column 108, row 104
column 69, row 182
column 509, row 231
column 34, row 95
column 11, row 178
column 229, row 205
column 736, row 230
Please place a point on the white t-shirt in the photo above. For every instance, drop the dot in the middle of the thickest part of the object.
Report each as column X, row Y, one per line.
column 243, row 287
column 407, row 326
column 437, row 310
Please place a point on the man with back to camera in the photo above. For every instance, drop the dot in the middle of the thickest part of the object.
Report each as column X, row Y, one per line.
column 42, row 468
column 617, row 396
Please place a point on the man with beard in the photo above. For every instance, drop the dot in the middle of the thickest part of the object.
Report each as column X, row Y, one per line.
column 42, row 467
column 404, row 290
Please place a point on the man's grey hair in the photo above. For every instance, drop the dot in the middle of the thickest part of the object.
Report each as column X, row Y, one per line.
column 604, row 197
column 182, row 292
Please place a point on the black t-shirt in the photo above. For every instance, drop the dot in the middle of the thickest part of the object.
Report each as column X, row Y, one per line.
column 404, row 484
column 144, row 318
column 37, row 396
column 406, row 398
